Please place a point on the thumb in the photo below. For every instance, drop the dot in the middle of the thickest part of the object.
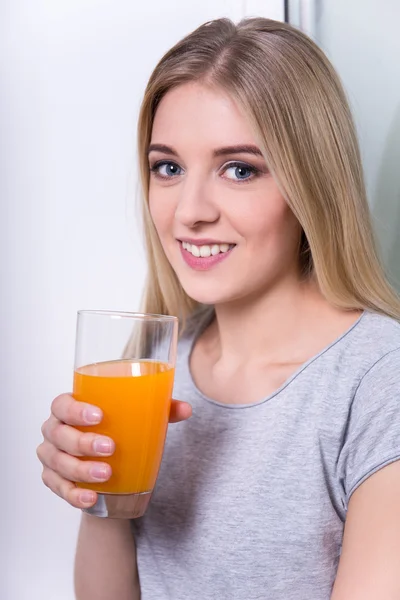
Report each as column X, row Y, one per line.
column 180, row 411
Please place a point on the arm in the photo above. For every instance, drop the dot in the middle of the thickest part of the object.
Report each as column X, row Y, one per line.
column 105, row 562
column 369, row 567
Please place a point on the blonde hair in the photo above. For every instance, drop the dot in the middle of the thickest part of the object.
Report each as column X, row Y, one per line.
column 293, row 98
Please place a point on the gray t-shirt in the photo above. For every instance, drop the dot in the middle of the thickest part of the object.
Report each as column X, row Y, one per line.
column 251, row 500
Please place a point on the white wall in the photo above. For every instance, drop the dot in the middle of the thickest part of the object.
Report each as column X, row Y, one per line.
column 72, row 75
column 362, row 40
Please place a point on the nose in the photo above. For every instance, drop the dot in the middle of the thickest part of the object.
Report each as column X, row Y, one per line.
column 196, row 203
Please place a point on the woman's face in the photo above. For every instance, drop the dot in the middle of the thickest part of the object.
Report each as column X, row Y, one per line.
column 222, row 221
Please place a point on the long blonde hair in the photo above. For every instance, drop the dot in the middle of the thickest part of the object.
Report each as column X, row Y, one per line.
column 295, row 102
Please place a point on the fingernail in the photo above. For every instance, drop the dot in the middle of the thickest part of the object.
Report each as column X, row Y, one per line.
column 99, row 472
column 92, row 415
column 87, row 497
column 103, row 445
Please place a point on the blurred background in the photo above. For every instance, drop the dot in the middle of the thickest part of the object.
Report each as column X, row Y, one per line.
column 72, row 74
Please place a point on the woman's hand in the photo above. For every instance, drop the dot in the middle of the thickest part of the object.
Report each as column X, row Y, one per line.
column 63, row 446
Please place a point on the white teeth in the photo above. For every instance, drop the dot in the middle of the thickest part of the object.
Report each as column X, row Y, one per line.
column 205, row 251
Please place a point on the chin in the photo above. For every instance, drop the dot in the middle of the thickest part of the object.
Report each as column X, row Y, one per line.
column 210, row 294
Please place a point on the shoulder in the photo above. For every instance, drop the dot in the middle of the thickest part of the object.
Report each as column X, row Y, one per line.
column 376, row 400
column 372, row 432
column 381, row 329
column 377, row 341
column 372, row 345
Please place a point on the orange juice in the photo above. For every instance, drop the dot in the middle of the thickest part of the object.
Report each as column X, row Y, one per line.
column 135, row 398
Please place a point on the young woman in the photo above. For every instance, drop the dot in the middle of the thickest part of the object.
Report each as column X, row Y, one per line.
column 285, row 482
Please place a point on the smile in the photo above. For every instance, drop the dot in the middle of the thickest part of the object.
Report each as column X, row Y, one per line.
column 206, row 250
column 205, row 256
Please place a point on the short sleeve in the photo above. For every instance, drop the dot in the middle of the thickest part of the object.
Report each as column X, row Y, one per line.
column 372, row 436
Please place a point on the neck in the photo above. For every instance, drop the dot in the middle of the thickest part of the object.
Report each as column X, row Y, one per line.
column 277, row 325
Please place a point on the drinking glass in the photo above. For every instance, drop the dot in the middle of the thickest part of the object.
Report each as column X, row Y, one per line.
column 125, row 364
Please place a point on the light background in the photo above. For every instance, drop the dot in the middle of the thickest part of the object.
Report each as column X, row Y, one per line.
column 72, row 73
column 72, row 76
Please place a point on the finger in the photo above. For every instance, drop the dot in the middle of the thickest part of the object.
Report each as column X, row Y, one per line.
column 77, row 497
column 180, row 411
column 65, row 408
column 72, row 468
column 77, row 443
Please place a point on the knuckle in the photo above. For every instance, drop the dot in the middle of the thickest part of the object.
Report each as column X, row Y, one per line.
column 55, row 405
column 39, row 451
column 62, row 406
column 43, row 428
column 46, row 477
column 42, row 452
column 47, row 428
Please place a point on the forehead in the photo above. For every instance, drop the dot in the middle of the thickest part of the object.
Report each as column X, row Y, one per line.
column 195, row 115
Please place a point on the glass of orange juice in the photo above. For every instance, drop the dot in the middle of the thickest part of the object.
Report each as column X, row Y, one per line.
column 124, row 364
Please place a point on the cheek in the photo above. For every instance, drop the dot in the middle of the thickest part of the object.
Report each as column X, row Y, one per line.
column 162, row 214
column 269, row 224
column 159, row 212
column 288, row 229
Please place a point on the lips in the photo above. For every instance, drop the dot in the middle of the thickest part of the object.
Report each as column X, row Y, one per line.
column 205, row 256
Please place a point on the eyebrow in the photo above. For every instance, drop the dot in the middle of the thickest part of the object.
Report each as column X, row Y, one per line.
column 241, row 149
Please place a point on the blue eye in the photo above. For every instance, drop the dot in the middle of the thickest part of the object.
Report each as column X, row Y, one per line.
column 234, row 171
column 239, row 172
column 166, row 169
